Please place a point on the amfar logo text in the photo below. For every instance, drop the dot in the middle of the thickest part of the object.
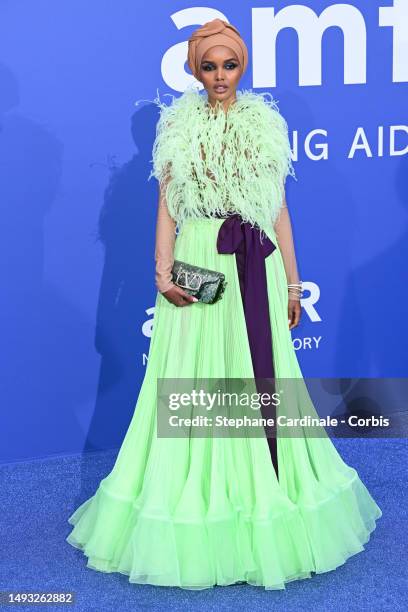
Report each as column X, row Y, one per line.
column 310, row 27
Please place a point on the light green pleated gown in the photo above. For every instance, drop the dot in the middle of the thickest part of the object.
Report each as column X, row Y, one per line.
column 199, row 512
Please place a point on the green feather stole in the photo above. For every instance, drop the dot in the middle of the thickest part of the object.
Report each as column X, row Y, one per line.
column 208, row 160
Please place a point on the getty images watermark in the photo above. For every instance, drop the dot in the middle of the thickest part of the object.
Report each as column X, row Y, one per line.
column 284, row 407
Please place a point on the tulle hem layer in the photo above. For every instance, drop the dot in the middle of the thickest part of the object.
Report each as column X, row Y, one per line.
column 117, row 536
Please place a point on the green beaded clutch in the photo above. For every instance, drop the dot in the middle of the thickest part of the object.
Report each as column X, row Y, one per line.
column 204, row 284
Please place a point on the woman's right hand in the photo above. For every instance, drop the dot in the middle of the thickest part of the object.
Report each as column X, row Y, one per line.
column 177, row 296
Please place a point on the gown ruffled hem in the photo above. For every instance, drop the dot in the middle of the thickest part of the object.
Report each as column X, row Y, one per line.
column 116, row 535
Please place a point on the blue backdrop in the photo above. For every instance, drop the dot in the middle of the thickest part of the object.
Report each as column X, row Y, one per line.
column 78, row 214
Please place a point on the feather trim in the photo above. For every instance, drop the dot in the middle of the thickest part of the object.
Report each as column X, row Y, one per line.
column 210, row 161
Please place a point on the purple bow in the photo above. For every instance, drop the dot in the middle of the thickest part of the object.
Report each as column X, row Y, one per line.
column 235, row 236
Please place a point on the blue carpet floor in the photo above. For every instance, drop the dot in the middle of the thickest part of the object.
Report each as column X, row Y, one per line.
column 37, row 497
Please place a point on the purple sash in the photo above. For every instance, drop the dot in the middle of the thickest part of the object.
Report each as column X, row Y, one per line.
column 240, row 238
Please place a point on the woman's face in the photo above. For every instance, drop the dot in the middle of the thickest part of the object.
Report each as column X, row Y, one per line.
column 220, row 72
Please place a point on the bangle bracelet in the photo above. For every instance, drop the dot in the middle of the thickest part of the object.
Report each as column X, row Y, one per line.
column 295, row 290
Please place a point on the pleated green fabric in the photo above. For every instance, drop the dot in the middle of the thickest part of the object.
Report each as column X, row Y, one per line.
column 198, row 512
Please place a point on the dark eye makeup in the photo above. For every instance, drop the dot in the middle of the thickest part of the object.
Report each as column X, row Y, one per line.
column 207, row 66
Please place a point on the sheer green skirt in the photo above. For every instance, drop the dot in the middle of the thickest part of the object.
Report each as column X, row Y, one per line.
column 198, row 512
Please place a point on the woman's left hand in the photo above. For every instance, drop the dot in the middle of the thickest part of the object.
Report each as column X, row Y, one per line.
column 294, row 312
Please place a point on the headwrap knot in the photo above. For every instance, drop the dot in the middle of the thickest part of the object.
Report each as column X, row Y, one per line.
column 212, row 33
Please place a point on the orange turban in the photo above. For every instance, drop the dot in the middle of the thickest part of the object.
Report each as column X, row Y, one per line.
column 215, row 32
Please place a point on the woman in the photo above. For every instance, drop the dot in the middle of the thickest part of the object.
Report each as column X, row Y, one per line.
column 192, row 511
